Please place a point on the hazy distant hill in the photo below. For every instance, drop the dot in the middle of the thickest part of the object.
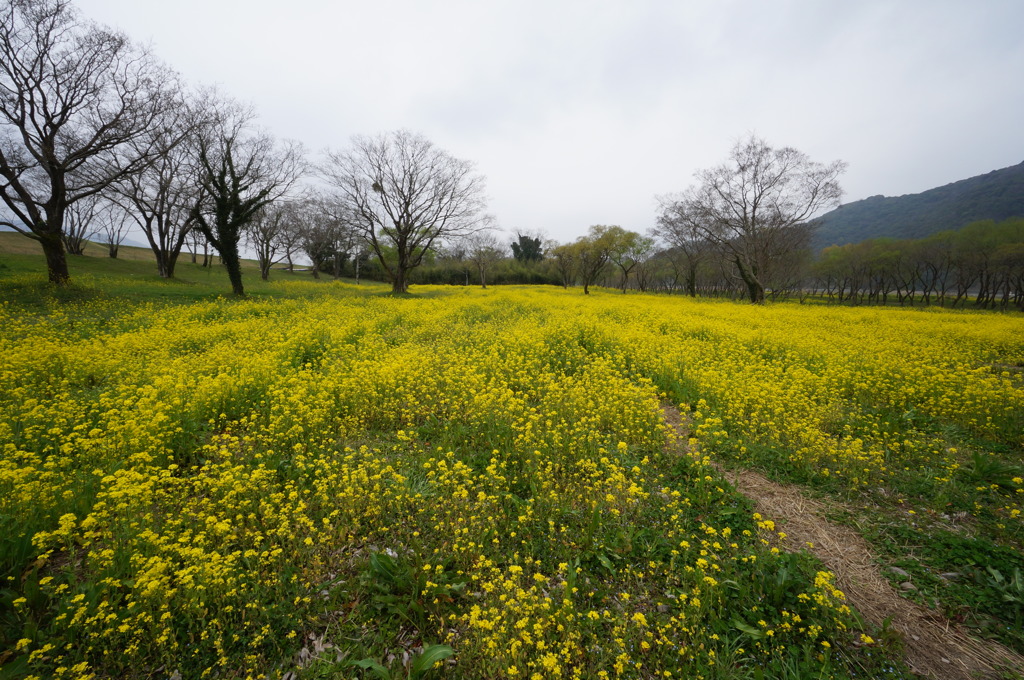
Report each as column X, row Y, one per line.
column 996, row 195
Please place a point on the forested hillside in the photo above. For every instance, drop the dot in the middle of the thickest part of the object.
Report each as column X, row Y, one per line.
column 997, row 195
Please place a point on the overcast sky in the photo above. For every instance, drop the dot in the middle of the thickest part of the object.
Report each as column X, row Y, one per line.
column 578, row 113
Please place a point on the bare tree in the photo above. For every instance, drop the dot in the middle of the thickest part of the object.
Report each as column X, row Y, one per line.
column 194, row 241
column 291, row 235
column 73, row 96
column 316, row 242
column 751, row 205
column 484, row 251
column 326, row 234
column 937, row 253
column 682, row 229
column 405, row 196
column 79, row 225
column 114, row 222
column 241, row 170
column 265, row 235
column 161, row 196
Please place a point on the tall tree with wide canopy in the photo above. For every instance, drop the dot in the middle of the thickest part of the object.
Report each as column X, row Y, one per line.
column 74, row 96
column 754, row 205
column 405, row 196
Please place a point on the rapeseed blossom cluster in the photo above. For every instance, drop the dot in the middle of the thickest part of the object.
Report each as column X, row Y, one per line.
column 198, row 489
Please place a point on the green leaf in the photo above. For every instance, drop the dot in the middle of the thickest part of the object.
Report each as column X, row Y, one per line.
column 383, row 566
column 425, row 661
column 755, row 633
column 371, row 665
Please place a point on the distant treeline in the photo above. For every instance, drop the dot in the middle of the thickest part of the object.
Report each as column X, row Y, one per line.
column 981, row 264
column 507, row 271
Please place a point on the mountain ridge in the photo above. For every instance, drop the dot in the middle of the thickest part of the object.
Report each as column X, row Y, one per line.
column 995, row 195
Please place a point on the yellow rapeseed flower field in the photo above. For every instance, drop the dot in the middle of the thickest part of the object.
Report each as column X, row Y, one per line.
column 203, row 490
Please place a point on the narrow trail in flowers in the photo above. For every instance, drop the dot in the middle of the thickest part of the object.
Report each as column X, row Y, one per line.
column 933, row 646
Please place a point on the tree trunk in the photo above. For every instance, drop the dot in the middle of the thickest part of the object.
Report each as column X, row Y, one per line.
column 75, row 247
column 691, row 282
column 112, row 251
column 56, row 261
column 166, row 261
column 230, row 260
column 164, row 264
column 755, row 289
column 172, row 262
column 400, row 284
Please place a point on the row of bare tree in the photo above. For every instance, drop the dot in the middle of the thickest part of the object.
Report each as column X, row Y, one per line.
column 97, row 134
column 94, row 129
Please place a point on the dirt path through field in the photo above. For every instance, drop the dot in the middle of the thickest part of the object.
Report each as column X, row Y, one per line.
column 934, row 647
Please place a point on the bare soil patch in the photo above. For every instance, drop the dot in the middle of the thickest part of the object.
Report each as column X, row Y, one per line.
column 934, row 647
